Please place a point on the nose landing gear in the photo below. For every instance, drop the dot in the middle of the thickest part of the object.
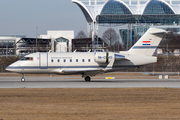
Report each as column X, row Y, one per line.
column 22, row 79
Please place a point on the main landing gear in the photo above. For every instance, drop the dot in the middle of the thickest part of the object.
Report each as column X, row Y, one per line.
column 22, row 79
column 87, row 79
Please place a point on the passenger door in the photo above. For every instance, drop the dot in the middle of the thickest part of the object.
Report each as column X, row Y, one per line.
column 43, row 60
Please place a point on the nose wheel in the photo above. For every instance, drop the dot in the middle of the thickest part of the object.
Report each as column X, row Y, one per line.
column 22, row 79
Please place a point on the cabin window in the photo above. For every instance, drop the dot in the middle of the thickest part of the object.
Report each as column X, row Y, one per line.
column 64, row 60
column 52, row 60
column 70, row 60
column 58, row 60
column 27, row 59
column 89, row 60
column 76, row 60
column 82, row 60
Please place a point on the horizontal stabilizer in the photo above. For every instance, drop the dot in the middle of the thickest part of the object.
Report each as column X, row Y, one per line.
column 158, row 31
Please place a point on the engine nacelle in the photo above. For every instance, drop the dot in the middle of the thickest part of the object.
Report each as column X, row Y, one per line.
column 103, row 57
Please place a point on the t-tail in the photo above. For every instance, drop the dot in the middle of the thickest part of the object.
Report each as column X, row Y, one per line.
column 148, row 43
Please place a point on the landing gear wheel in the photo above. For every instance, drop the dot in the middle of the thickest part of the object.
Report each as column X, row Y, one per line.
column 87, row 79
column 22, row 79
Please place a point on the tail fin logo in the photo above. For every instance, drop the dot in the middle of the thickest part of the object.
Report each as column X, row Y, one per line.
column 146, row 43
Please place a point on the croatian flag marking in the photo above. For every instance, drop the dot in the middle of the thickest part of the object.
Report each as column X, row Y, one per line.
column 146, row 43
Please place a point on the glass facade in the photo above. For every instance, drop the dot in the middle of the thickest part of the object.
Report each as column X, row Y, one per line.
column 61, row 45
column 124, row 35
column 6, row 46
column 28, row 45
column 115, row 7
column 7, row 42
column 61, row 39
column 127, row 35
column 140, row 30
column 155, row 19
column 157, row 7
column 156, row 11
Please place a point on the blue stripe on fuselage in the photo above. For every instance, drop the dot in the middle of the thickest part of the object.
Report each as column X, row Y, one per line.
column 51, row 67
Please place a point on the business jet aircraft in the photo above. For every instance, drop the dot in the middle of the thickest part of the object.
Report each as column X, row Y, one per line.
column 90, row 63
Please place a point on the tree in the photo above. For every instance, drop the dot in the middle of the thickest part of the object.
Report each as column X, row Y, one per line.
column 116, row 47
column 110, row 37
column 172, row 40
column 81, row 35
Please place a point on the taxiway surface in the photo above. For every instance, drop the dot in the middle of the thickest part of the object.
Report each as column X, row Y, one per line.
column 67, row 82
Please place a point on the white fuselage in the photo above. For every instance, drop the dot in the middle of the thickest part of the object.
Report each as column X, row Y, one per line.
column 77, row 63
column 91, row 63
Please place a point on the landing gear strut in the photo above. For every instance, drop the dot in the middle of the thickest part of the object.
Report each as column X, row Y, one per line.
column 87, row 79
column 22, row 79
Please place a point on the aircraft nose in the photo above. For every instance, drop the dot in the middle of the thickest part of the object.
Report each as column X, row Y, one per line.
column 14, row 67
column 8, row 68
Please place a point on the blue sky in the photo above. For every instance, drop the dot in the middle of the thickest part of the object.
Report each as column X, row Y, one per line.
column 21, row 17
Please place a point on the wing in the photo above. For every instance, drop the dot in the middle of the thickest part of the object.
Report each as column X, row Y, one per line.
column 85, row 71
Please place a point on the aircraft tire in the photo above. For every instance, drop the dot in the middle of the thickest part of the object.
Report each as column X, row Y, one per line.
column 87, row 79
column 22, row 79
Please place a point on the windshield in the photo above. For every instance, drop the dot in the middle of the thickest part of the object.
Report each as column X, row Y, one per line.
column 27, row 58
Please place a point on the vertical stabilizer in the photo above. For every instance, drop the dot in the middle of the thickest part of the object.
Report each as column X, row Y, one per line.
column 148, row 43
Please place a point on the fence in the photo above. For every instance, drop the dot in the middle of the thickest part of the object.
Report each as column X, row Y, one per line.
column 155, row 68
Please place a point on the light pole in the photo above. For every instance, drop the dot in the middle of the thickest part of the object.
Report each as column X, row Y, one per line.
column 95, row 25
column 36, row 37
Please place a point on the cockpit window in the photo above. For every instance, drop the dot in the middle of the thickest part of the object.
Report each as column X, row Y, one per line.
column 27, row 58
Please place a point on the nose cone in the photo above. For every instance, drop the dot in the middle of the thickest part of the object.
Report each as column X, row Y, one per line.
column 12, row 68
column 9, row 68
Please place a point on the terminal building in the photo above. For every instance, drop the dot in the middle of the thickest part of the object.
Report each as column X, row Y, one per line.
column 133, row 16
column 21, row 45
column 85, row 45
column 61, row 41
column 28, row 45
column 54, row 41
column 133, row 11
column 7, row 44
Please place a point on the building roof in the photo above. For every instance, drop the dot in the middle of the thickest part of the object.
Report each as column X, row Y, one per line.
column 117, row 8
